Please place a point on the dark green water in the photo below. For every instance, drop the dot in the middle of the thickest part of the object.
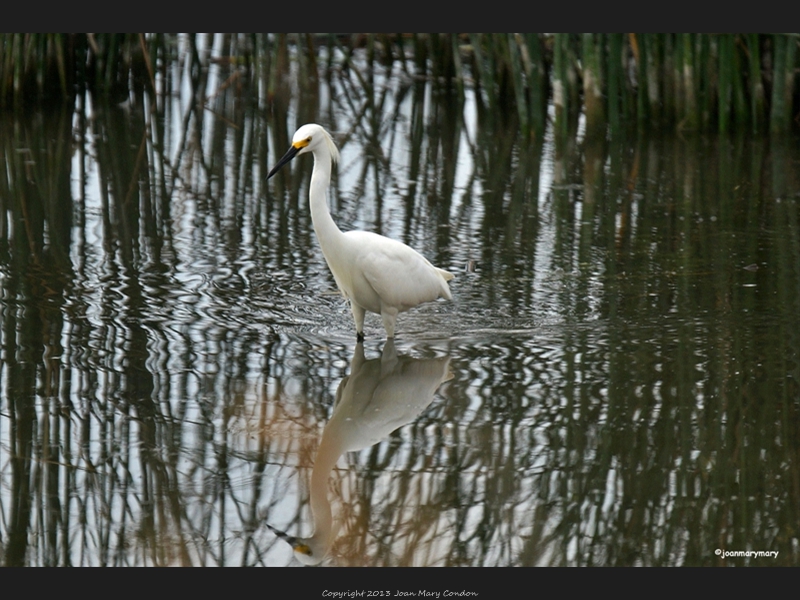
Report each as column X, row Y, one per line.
column 616, row 382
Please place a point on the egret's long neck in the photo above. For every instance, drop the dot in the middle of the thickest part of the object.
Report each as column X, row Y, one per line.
column 325, row 228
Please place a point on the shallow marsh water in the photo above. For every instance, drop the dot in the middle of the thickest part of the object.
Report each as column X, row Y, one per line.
column 616, row 382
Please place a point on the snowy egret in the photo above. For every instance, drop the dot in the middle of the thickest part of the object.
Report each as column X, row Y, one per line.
column 373, row 272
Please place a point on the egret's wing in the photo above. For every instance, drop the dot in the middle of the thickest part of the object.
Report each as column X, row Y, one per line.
column 401, row 276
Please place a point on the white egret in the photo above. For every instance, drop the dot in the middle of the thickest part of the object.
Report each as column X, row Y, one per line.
column 373, row 272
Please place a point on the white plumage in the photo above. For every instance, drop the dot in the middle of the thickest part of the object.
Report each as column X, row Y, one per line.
column 373, row 272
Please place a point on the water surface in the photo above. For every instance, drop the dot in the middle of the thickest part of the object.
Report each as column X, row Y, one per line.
column 616, row 382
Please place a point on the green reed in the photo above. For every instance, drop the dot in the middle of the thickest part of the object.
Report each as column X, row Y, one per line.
column 684, row 81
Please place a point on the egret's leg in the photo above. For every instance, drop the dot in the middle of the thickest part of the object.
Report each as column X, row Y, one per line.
column 358, row 317
column 389, row 317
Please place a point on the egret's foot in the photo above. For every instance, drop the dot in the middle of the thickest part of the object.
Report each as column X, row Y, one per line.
column 359, row 337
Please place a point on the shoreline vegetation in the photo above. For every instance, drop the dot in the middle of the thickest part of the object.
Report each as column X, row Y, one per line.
column 683, row 82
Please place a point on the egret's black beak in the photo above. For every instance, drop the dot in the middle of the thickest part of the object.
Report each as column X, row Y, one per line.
column 286, row 158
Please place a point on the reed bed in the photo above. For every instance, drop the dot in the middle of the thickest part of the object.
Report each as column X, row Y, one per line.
column 677, row 81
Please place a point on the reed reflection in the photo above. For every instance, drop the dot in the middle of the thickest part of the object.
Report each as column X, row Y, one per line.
column 378, row 397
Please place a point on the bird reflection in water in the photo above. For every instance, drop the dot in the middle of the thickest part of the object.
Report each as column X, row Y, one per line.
column 379, row 396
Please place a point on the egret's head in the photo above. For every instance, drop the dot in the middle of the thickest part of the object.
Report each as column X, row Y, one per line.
column 309, row 138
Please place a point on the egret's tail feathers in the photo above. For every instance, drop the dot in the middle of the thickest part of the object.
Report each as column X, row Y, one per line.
column 446, row 276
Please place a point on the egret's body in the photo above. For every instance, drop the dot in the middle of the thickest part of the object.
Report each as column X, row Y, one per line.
column 373, row 272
